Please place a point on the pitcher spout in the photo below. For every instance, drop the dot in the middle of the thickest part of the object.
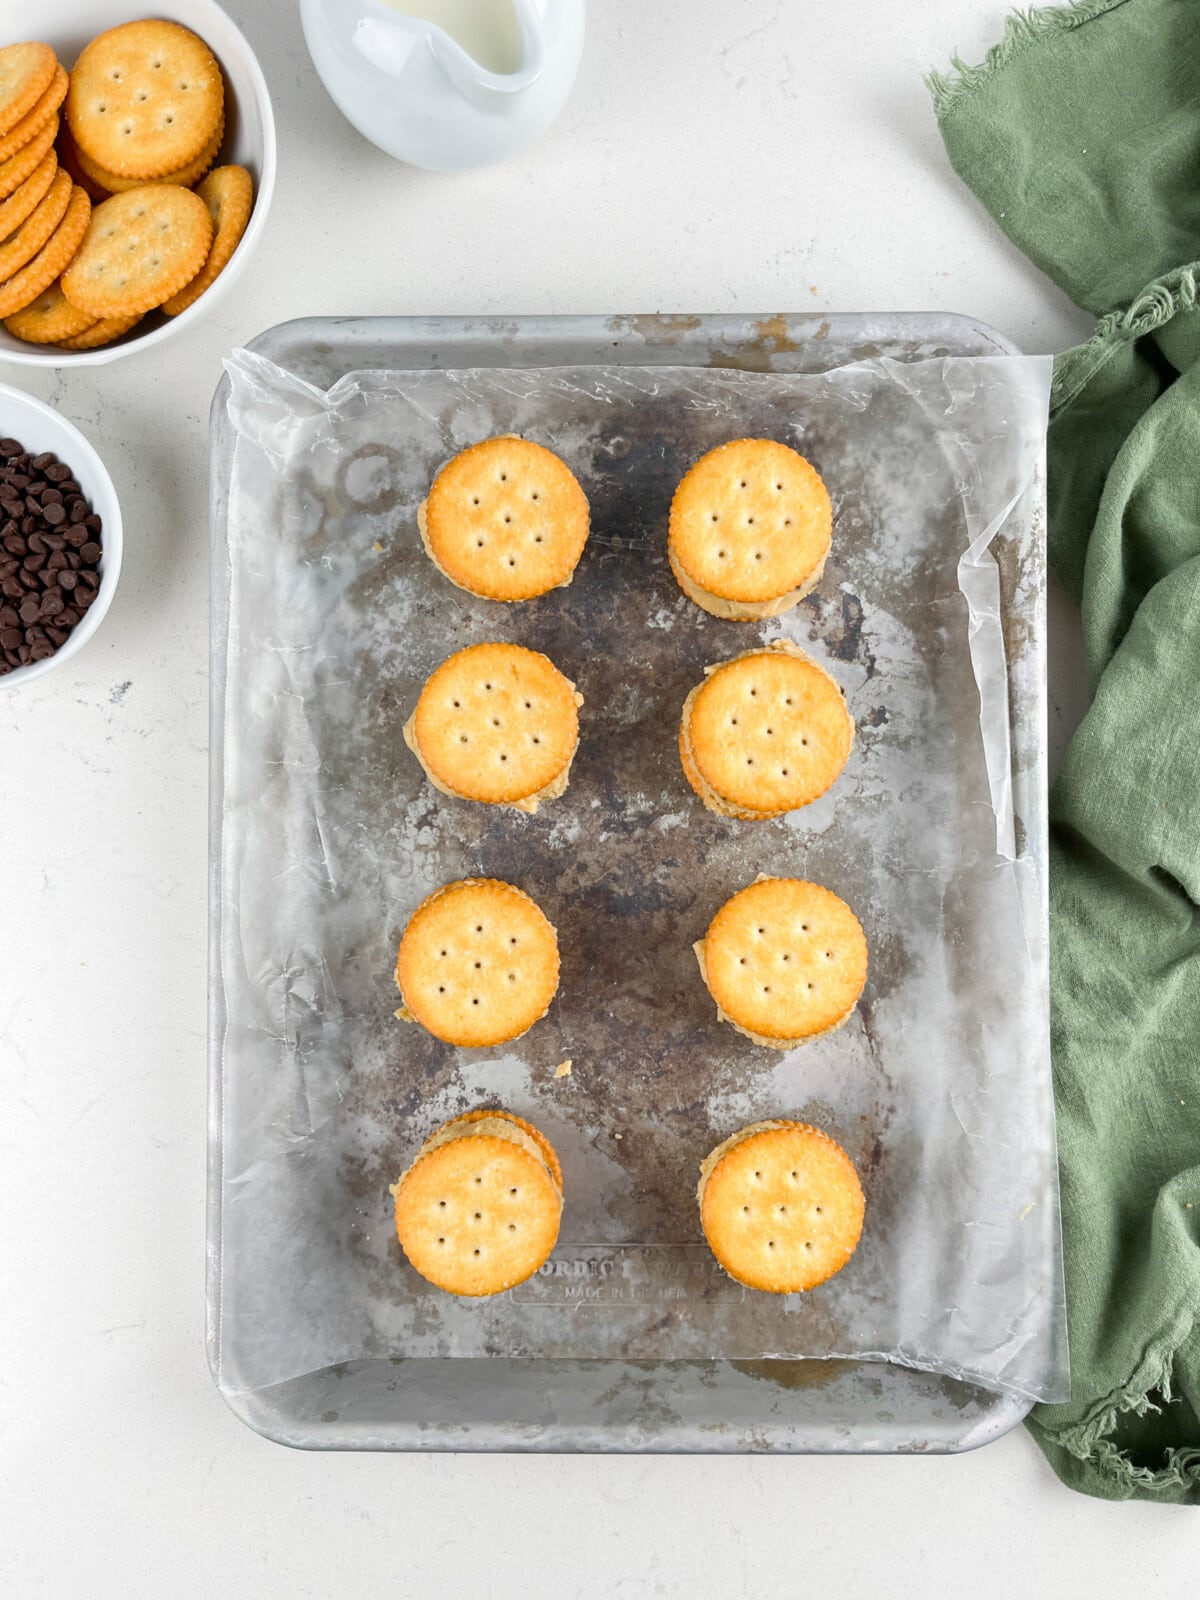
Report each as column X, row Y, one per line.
column 393, row 34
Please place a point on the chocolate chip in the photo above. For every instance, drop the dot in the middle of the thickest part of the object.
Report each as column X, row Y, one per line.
column 50, row 545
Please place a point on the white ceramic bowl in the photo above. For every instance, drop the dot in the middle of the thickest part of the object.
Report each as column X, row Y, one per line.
column 249, row 141
column 39, row 427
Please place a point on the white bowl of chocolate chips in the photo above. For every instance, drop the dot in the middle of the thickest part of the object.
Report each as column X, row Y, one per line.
column 60, row 539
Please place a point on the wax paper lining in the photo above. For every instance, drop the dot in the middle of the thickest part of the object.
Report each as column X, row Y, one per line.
column 930, row 615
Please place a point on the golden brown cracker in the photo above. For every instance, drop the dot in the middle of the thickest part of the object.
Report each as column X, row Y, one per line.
column 26, row 72
column 16, row 169
column 30, row 126
column 27, row 196
column 141, row 248
column 49, row 319
column 145, row 98
column 765, row 733
column 750, row 528
column 102, row 332
column 505, row 519
column 785, row 961
column 25, row 242
column 112, row 183
column 25, row 286
column 478, row 963
column 477, row 1215
column 498, row 724
column 782, row 1207
column 229, row 195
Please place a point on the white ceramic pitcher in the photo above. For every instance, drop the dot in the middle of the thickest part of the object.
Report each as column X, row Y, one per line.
column 423, row 93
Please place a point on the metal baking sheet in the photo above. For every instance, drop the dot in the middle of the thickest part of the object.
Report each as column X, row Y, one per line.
column 630, row 864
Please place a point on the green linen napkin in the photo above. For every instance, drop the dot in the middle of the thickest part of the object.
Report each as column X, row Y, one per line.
column 1081, row 135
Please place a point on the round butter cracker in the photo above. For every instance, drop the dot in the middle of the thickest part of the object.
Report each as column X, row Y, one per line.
column 26, row 71
column 781, row 1207
column 477, row 1213
column 43, row 113
column 141, row 248
column 765, row 733
column 750, row 529
column 145, row 98
column 785, row 961
column 498, row 724
column 505, row 519
column 477, row 963
column 49, row 319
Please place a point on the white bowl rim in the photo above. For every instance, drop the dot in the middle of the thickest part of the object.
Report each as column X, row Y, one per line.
column 48, row 356
column 112, row 537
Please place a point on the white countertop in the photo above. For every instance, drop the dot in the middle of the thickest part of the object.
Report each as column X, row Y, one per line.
column 747, row 155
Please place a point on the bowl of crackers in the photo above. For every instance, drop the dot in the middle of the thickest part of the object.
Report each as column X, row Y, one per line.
column 137, row 163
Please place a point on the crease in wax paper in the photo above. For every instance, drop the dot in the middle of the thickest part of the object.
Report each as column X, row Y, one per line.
column 930, row 616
